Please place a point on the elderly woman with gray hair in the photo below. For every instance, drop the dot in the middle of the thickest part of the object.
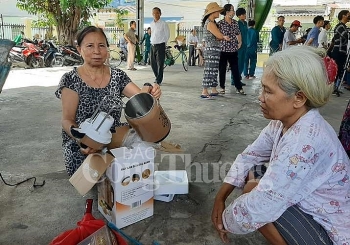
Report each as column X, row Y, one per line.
column 303, row 195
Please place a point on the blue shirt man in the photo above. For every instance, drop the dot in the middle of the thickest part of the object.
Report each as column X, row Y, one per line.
column 312, row 37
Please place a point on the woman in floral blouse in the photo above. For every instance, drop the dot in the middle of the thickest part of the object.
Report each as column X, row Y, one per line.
column 303, row 196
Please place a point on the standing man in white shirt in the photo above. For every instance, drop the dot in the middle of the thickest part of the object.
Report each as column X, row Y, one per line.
column 322, row 37
column 192, row 44
column 159, row 38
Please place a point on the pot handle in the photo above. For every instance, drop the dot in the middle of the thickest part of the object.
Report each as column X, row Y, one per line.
column 147, row 87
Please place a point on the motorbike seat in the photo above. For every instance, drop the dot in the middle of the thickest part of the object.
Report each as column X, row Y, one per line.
column 19, row 48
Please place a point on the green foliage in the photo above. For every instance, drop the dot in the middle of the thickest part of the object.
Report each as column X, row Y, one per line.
column 334, row 21
column 243, row 4
column 52, row 7
column 67, row 15
column 264, row 38
column 83, row 24
column 43, row 21
column 120, row 14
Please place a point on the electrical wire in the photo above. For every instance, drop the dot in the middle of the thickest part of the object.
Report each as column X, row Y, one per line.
column 34, row 184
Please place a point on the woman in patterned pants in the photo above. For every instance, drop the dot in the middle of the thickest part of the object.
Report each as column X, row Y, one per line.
column 212, row 35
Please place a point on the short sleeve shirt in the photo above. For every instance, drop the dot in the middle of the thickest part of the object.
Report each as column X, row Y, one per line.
column 231, row 30
column 89, row 100
column 315, row 31
column 288, row 36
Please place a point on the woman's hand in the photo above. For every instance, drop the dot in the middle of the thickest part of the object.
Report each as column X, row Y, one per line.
column 216, row 218
column 156, row 91
column 218, row 209
column 227, row 38
column 87, row 150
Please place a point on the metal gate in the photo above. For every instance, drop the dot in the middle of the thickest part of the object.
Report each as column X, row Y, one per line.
column 9, row 31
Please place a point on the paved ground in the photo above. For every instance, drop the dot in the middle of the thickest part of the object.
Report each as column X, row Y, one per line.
column 211, row 132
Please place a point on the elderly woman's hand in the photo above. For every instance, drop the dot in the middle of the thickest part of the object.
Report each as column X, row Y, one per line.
column 216, row 218
column 227, row 38
column 88, row 150
column 156, row 91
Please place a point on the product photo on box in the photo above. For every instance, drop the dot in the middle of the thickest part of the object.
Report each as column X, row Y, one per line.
column 126, row 195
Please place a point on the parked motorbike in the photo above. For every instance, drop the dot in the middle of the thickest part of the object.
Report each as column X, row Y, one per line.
column 71, row 56
column 16, row 55
column 52, row 55
column 27, row 53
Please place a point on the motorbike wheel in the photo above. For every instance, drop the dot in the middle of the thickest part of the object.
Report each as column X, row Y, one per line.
column 67, row 62
column 114, row 58
column 41, row 62
column 58, row 61
column 35, row 63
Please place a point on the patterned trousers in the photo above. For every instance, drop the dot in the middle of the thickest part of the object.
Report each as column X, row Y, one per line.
column 211, row 67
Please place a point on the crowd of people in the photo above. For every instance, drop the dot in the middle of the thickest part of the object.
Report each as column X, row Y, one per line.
column 337, row 48
column 294, row 176
column 239, row 52
column 227, row 42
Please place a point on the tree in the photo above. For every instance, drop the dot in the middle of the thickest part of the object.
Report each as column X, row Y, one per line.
column 67, row 15
column 120, row 14
column 44, row 21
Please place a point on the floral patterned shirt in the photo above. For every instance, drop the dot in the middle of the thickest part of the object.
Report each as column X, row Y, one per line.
column 307, row 166
column 231, row 30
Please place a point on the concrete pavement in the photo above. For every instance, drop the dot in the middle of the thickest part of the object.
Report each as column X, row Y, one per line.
column 211, row 132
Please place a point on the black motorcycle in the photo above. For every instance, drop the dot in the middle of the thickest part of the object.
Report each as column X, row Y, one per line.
column 71, row 56
column 52, row 55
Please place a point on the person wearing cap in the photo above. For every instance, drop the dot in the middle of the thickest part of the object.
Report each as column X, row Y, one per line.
column 212, row 37
column 277, row 34
column 230, row 49
column 289, row 38
column 301, row 196
column 312, row 36
column 322, row 37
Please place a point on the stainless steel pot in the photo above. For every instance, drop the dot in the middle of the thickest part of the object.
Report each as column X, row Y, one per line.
column 144, row 113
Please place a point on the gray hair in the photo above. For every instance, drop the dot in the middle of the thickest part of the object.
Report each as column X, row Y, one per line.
column 301, row 68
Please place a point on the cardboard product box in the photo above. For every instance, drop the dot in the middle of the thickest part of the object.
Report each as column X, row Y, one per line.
column 90, row 172
column 126, row 195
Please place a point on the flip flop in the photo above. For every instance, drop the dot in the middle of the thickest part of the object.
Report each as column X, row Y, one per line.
column 206, row 97
column 222, row 91
column 214, row 94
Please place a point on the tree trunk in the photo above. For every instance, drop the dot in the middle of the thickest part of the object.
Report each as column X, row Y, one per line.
column 67, row 26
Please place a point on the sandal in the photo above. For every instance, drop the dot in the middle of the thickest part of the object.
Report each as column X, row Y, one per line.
column 222, row 91
column 241, row 92
column 206, row 96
